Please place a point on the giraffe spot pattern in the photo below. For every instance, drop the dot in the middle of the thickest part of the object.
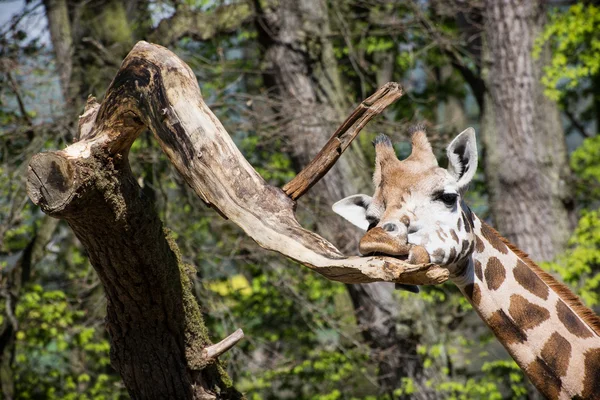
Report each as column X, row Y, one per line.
column 572, row 321
column 556, row 353
column 474, row 293
column 479, row 246
column 461, row 267
column 454, row 235
column 544, row 378
column 494, row 240
column 478, row 270
column 452, row 256
column 438, row 254
column 526, row 314
column 591, row 379
column 467, row 223
column 439, row 233
column 459, row 224
column 465, row 247
column 494, row 273
column 469, row 290
column 530, row 281
column 505, row 330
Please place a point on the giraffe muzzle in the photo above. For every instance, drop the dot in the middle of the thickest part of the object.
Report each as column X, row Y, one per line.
column 380, row 242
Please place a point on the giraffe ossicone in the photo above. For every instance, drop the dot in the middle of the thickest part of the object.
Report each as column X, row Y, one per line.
column 417, row 213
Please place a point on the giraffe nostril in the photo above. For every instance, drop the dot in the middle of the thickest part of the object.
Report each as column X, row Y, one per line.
column 390, row 227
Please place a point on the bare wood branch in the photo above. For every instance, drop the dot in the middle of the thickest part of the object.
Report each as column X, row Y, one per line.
column 214, row 351
column 155, row 89
column 342, row 138
column 15, row 87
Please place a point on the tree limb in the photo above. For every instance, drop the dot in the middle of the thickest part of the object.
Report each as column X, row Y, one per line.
column 214, row 351
column 341, row 139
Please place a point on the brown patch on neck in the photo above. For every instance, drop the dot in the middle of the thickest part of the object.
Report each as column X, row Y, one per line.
column 556, row 353
column 544, row 378
column 591, row 379
column 526, row 314
column 571, row 321
column 474, row 293
column 478, row 270
column 494, row 273
column 494, row 238
column 587, row 315
column 479, row 246
column 530, row 281
column 505, row 330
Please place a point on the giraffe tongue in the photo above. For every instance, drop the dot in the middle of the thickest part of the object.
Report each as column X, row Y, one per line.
column 377, row 241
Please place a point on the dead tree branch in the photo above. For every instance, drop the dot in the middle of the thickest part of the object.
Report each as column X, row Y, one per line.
column 214, row 351
column 342, row 138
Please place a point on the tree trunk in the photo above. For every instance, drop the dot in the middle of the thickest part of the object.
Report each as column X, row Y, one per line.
column 530, row 197
column 159, row 344
column 62, row 42
column 300, row 67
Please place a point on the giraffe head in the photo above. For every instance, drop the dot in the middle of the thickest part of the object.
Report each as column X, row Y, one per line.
column 417, row 212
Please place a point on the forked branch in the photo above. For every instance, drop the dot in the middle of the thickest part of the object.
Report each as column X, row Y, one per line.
column 155, row 89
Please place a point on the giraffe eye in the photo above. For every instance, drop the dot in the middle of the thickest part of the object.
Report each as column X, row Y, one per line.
column 448, row 199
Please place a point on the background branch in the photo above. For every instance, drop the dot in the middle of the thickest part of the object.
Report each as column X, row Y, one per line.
column 341, row 139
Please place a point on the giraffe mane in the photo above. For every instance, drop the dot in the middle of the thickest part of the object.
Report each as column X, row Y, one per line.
column 565, row 294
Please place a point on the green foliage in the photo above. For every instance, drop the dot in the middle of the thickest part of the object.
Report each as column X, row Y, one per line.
column 579, row 266
column 57, row 355
column 585, row 163
column 274, row 166
column 575, row 39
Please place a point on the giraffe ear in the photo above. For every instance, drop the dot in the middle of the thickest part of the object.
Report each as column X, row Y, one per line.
column 354, row 209
column 462, row 157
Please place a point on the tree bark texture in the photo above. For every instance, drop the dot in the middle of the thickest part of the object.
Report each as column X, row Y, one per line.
column 159, row 344
column 300, row 68
column 62, row 42
column 531, row 199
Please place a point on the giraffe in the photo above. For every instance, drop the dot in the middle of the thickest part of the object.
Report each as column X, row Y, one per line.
column 417, row 214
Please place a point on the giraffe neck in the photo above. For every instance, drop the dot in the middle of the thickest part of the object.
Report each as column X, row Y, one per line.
column 544, row 327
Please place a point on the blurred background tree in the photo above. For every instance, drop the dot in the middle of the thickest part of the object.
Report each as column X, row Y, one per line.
column 281, row 75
